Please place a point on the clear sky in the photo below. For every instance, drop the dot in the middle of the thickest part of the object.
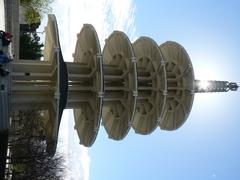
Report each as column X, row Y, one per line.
column 207, row 146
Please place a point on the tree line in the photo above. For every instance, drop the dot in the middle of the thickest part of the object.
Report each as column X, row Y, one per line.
column 27, row 144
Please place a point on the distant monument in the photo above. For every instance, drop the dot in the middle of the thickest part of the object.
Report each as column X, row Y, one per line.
column 140, row 85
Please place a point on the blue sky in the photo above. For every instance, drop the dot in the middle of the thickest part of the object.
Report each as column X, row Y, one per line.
column 207, row 146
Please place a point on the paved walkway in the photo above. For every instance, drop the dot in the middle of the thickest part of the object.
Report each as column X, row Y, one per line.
column 11, row 13
column 11, row 25
column 2, row 15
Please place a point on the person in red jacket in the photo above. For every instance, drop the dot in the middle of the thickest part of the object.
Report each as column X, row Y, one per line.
column 6, row 38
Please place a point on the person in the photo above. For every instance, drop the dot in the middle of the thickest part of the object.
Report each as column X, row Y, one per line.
column 6, row 38
column 3, row 58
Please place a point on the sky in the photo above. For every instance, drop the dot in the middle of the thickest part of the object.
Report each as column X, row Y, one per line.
column 207, row 146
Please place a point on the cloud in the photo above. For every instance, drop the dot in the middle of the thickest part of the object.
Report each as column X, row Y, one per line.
column 214, row 175
column 105, row 16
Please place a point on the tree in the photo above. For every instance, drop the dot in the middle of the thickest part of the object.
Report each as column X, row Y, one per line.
column 28, row 148
column 32, row 16
column 30, row 46
column 35, row 9
column 30, row 28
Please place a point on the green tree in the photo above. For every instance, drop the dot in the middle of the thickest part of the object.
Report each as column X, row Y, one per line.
column 30, row 46
column 32, row 16
column 36, row 9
